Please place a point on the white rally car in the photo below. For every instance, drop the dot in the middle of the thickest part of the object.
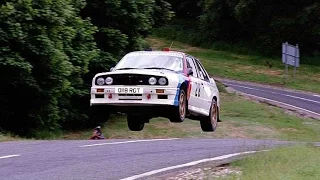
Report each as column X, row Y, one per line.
column 148, row 84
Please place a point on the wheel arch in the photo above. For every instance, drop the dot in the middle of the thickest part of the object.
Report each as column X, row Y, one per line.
column 216, row 99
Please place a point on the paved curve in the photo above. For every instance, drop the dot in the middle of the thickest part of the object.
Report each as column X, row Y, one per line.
column 111, row 160
column 307, row 101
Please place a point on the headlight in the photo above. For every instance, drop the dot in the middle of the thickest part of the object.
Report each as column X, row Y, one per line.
column 152, row 80
column 100, row 81
column 109, row 80
column 162, row 81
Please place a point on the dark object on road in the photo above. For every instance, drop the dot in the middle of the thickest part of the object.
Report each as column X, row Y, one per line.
column 97, row 134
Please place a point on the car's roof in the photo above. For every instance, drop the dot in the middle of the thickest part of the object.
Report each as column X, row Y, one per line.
column 171, row 53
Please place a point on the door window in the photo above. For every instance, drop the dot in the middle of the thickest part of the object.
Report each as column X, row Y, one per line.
column 202, row 72
column 190, row 64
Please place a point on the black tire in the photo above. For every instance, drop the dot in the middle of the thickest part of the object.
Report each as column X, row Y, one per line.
column 135, row 122
column 179, row 113
column 210, row 123
column 99, row 114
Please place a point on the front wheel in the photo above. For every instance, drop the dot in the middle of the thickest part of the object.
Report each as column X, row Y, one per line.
column 135, row 122
column 179, row 113
column 210, row 123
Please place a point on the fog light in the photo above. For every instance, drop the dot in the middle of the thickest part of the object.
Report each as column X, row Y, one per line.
column 159, row 90
column 100, row 90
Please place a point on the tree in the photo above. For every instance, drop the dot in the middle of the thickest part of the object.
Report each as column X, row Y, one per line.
column 45, row 50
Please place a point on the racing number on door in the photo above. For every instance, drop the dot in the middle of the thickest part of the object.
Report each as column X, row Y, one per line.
column 197, row 92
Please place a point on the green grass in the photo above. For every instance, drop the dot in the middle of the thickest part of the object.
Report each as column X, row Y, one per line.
column 241, row 118
column 287, row 163
column 252, row 68
column 263, row 121
column 8, row 137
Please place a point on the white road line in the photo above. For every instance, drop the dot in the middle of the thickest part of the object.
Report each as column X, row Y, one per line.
column 193, row 163
column 9, row 156
column 283, row 104
column 303, row 99
column 296, row 97
column 316, row 95
column 124, row 142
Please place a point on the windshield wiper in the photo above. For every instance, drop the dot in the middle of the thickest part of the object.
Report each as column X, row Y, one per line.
column 126, row 68
column 159, row 68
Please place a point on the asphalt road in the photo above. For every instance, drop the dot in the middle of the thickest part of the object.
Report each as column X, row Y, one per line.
column 110, row 159
column 304, row 101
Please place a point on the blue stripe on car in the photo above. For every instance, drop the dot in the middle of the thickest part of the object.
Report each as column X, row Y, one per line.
column 176, row 98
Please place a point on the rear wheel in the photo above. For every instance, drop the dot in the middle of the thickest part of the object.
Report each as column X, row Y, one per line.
column 135, row 122
column 179, row 113
column 210, row 123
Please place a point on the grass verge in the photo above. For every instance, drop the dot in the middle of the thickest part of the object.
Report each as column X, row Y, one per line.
column 8, row 137
column 282, row 163
column 252, row 68
column 241, row 118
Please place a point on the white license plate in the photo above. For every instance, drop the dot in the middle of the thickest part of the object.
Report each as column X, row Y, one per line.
column 129, row 90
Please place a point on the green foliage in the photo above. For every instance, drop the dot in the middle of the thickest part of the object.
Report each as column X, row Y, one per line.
column 248, row 25
column 50, row 50
column 45, row 50
column 265, row 22
column 186, row 8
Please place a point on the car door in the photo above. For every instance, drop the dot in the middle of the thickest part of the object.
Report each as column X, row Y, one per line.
column 206, row 90
column 194, row 103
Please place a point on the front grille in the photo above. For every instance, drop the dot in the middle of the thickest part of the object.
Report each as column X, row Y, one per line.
column 131, row 79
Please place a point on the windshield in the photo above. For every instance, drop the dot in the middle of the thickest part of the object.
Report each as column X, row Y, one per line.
column 151, row 61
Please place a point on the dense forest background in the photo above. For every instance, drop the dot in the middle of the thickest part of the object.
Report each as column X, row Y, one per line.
column 51, row 49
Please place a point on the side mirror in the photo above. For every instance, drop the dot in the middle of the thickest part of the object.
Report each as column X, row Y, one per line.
column 111, row 69
column 190, row 71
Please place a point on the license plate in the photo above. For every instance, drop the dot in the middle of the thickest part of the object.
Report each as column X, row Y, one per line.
column 129, row 90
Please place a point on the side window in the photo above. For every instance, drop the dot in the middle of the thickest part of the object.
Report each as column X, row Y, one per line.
column 190, row 64
column 202, row 71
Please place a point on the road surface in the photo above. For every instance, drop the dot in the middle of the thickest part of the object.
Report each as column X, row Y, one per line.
column 307, row 102
column 111, row 159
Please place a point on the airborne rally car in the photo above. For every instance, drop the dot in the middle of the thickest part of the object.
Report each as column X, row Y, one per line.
column 148, row 84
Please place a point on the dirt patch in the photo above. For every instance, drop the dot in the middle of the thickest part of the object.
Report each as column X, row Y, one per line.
column 206, row 173
column 269, row 72
column 157, row 44
column 238, row 56
column 289, row 129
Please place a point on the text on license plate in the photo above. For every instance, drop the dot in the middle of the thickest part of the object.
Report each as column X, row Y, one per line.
column 129, row 90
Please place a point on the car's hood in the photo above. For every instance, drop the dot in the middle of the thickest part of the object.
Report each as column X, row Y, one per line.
column 154, row 72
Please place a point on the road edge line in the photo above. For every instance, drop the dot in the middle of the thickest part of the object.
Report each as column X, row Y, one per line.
column 193, row 163
column 9, row 156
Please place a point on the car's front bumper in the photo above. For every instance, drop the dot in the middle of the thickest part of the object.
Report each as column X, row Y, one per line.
column 150, row 96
